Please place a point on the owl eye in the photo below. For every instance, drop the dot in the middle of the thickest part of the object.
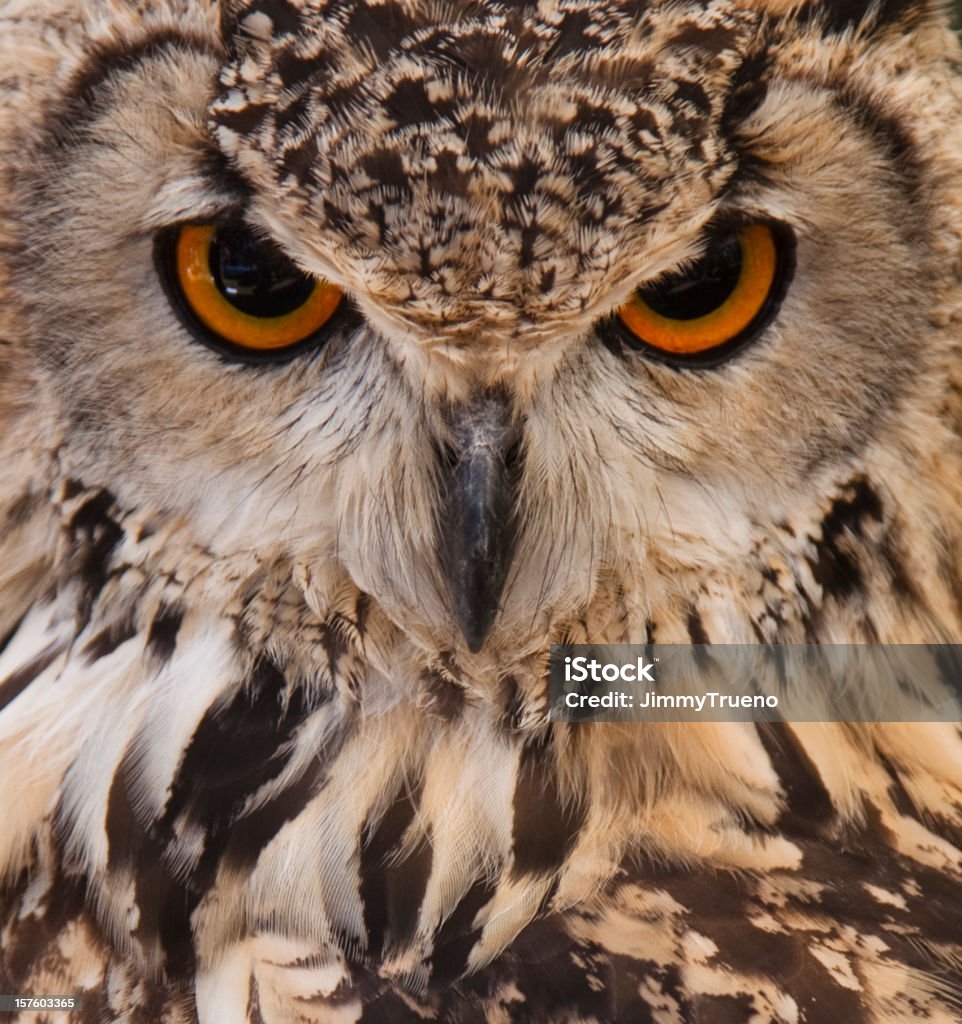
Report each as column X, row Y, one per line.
column 703, row 314
column 240, row 293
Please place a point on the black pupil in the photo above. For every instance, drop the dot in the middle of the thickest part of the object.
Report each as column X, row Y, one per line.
column 701, row 289
column 254, row 276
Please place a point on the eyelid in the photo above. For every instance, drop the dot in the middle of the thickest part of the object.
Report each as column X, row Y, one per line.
column 209, row 192
column 167, row 212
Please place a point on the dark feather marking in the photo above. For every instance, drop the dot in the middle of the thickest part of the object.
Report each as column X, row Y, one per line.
column 897, row 792
column 155, row 1000
column 335, row 647
column 18, row 681
column 386, row 167
column 299, row 73
column 950, row 571
column 243, row 844
column 392, row 892
column 936, row 914
column 252, row 721
column 512, row 702
column 258, row 828
column 237, row 748
column 145, row 532
column 125, row 835
column 162, row 636
column 624, row 977
column 285, row 16
column 445, row 695
column 362, row 611
column 723, row 1009
column 711, row 40
column 546, row 820
column 948, row 658
column 837, row 16
column 836, row 570
column 164, row 905
column 298, row 161
column 84, row 97
column 254, row 1015
column 289, row 116
column 36, row 933
column 20, row 511
column 109, row 638
column 382, row 28
column 697, row 633
column 902, row 582
column 245, row 120
column 378, row 842
column 558, row 977
column 747, row 91
column 695, row 95
column 719, row 909
column 345, row 992
column 457, row 936
column 96, row 533
column 11, row 633
column 809, row 805
column 895, row 138
column 384, row 1006
column 92, row 1009
column 572, row 35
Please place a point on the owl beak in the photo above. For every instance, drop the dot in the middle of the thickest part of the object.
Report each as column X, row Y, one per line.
column 477, row 527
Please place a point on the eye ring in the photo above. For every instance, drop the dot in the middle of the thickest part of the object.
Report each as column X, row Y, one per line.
column 240, row 295
column 722, row 302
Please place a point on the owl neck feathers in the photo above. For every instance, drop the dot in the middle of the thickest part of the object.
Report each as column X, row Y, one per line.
column 188, row 732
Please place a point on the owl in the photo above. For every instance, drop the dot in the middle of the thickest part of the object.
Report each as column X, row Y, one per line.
column 355, row 352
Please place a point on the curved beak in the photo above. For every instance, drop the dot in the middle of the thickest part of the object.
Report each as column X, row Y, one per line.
column 477, row 529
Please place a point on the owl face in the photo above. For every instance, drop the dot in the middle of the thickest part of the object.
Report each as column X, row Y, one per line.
column 474, row 434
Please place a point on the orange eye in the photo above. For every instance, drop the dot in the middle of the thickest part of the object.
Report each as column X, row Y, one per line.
column 246, row 296
column 702, row 314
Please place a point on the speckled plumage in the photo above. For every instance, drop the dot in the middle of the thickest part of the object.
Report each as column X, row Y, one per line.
column 249, row 769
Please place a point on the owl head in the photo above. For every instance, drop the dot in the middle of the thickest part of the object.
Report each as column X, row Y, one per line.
column 530, row 321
